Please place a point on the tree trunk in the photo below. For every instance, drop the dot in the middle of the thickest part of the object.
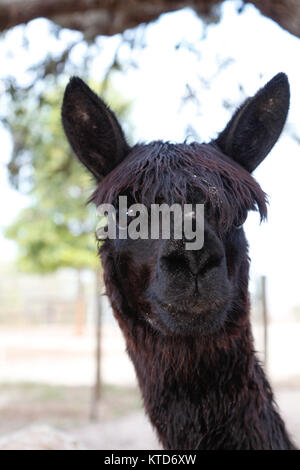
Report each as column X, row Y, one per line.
column 107, row 17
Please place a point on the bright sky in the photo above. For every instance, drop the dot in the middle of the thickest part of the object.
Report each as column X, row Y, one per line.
column 260, row 49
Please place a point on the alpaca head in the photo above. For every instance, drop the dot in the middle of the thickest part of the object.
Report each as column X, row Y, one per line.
column 162, row 283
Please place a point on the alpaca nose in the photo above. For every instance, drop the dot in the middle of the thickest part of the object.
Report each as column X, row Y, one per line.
column 176, row 259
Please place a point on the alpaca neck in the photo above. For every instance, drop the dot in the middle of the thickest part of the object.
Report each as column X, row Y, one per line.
column 181, row 380
column 205, row 393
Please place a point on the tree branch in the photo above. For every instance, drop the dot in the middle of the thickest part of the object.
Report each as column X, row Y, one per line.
column 108, row 17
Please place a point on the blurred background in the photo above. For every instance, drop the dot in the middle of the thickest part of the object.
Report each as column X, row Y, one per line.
column 169, row 75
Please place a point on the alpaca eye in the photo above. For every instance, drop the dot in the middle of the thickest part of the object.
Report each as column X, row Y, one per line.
column 131, row 213
column 240, row 222
column 127, row 216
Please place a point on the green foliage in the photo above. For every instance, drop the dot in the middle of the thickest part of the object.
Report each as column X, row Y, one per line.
column 46, row 243
column 57, row 230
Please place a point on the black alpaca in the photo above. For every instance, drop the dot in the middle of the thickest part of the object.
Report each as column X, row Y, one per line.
column 185, row 314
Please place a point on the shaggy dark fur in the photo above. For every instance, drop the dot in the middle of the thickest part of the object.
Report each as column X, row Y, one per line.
column 176, row 172
column 185, row 314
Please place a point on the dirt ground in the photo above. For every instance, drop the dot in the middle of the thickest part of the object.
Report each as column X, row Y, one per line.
column 121, row 422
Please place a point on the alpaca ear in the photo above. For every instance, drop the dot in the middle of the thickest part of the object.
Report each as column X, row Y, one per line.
column 92, row 129
column 257, row 124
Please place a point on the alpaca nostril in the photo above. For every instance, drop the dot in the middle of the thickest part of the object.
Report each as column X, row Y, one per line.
column 190, row 263
column 212, row 262
column 173, row 262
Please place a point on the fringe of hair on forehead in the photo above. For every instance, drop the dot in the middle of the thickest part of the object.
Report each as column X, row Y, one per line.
column 164, row 172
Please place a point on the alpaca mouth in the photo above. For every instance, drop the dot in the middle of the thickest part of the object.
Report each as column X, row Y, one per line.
column 189, row 316
column 182, row 308
column 187, row 312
